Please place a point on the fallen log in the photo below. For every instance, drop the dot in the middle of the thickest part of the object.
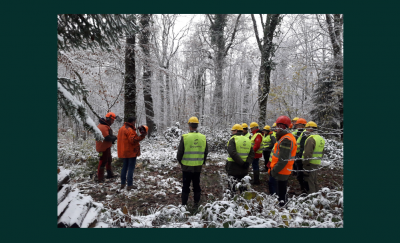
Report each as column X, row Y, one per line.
column 63, row 205
column 92, row 215
column 62, row 178
column 63, row 193
column 75, row 212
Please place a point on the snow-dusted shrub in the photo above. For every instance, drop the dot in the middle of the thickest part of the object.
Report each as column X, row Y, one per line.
column 216, row 139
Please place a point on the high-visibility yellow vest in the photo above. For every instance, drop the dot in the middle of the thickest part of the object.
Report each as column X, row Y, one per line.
column 319, row 147
column 248, row 135
column 260, row 150
column 298, row 142
column 266, row 141
column 243, row 147
column 195, row 146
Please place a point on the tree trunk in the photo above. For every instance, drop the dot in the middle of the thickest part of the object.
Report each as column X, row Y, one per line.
column 335, row 31
column 162, row 123
column 130, row 79
column 267, row 52
column 246, row 101
column 167, row 94
column 148, row 100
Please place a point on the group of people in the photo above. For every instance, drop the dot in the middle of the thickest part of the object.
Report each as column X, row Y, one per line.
column 128, row 148
column 289, row 146
column 285, row 150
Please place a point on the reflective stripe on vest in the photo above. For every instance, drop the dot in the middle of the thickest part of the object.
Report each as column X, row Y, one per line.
column 267, row 141
column 319, row 147
column 299, row 140
column 260, row 150
column 195, row 146
column 275, row 154
column 243, row 147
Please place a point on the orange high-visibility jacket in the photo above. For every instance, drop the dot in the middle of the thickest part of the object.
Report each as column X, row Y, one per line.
column 275, row 154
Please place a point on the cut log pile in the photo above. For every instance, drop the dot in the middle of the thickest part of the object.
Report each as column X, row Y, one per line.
column 75, row 210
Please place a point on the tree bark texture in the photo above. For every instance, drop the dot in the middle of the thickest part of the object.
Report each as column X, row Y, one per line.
column 267, row 52
column 130, row 79
column 335, row 29
column 144, row 43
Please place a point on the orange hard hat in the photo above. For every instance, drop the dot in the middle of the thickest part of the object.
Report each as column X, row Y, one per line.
column 147, row 129
column 291, row 125
column 301, row 121
column 111, row 115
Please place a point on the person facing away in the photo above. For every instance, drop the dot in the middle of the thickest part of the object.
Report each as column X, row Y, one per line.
column 246, row 131
column 256, row 141
column 129, row 149
column 240, row 155
column 313, row 151
column 192, row 154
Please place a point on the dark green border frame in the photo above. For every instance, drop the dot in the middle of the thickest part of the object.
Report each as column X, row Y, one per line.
column 30, row 93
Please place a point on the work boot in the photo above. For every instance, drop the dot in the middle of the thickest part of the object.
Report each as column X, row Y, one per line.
column 185, row 197
column 256, row 180
column 123, row 186
column 131, row 187
column 197, row 199
column 100, row 175
column 110, row 174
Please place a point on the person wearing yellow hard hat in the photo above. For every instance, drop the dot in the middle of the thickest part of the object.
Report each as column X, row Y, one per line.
column 273, row 129
column 268, row 144
column 298, row 135
column 104, row 147
column 246, row 131
column 240, row 155
column 192, row 154
column 313, row 151
column 256, row 142
column 293, row 127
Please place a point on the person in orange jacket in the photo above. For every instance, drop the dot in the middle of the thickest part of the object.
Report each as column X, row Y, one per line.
column 282, row 157
column 104, row 147
column 128, row 149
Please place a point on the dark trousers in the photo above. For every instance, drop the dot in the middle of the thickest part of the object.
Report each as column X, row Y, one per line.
column 191, row 177
column 272, row 186
column 128, row 167
column 266, row 155
column 255, row 164
column 105, row 160
column 282, row 187
column 300, row 175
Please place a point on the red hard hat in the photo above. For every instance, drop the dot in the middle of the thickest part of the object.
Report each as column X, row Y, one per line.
column 111, row 115
column 284, row 120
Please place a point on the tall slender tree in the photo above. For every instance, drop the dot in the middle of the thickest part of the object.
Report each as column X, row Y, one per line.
column 144, row 43
column 267, row 50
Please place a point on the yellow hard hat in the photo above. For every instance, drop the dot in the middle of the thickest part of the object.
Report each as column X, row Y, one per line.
column 244, row 125
column 311, row 124
column 237, row 127
column 253, row 124
column 295, row 119
column 267, row 128
column 193, row 119
column 274, row 125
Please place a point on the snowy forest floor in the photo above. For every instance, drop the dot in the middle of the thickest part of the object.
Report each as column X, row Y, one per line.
column 157, row 188
column 158, row 179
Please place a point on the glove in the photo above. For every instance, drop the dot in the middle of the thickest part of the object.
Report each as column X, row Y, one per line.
column 246, row 165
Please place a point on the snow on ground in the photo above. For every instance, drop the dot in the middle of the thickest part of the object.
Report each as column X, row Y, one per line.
column 155, row 200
